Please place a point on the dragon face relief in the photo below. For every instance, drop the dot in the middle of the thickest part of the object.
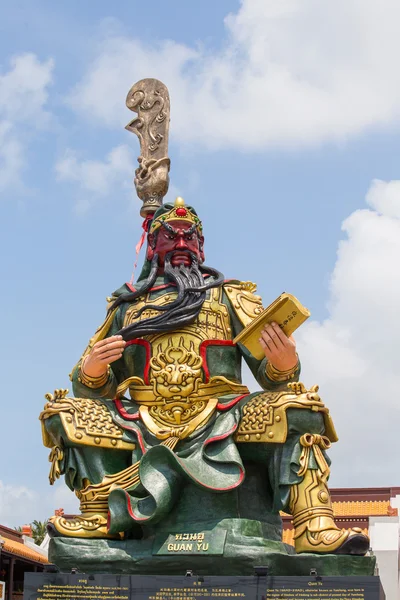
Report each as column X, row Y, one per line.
column 176, row 373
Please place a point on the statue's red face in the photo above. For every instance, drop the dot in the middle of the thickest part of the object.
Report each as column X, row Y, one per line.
column 181, row 242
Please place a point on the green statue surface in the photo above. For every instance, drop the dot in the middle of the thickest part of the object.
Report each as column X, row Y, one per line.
column 162, row 440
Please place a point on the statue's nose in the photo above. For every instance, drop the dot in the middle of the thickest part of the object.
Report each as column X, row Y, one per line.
column 181, row 243
column 174, row 388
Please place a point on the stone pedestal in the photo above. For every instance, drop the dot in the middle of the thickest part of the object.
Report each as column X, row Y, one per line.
column 231, row 550
column 209, row 534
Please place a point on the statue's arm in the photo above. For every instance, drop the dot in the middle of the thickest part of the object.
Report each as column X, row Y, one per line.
column 243, row 307
column 259, row 370
column 108, row 387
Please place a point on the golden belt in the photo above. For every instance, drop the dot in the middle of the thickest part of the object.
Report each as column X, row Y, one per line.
column 179, row 415
column 216, row 387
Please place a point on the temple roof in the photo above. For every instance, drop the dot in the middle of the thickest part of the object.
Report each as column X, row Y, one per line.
column 12, row 541
column 20, row 549
column 359, row 508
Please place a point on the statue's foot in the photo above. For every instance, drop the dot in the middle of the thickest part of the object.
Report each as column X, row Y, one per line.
column 333, row 541
column 81, row 526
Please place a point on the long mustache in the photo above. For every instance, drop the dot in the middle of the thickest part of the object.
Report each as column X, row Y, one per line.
column 191, row 293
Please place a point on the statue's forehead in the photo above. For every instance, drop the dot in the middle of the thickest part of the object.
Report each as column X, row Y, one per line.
column 178, row 224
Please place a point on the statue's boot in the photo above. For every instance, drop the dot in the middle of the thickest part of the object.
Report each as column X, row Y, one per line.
column 91, row 523
column 315, row 529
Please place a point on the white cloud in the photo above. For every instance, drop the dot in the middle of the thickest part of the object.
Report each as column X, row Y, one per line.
column 354, row 354
column 13, row 504
column 63, row 497
column 23, row 96
column 11, row 156
column 97, row 178
column 290, row 73
column 23, row 90
column 20, row 505
column 384, row 197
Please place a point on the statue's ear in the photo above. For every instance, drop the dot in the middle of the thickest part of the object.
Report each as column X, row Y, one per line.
column 151, row 242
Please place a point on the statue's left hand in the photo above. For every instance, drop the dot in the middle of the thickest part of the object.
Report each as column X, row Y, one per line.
column 279, row 349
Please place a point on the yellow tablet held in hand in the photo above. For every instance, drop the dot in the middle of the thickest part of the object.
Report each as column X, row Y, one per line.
column 286, row 310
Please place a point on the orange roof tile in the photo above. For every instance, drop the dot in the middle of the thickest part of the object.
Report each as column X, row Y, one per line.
column 365, row 507
column 19, row 548
column 288, row 535
column 359, row 508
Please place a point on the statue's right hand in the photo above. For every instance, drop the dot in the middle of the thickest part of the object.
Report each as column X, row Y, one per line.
column 102, row 354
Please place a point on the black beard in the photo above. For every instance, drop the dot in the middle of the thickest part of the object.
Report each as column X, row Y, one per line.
column 184, row 309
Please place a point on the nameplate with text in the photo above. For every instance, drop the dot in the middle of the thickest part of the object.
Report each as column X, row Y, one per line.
column 211, row 543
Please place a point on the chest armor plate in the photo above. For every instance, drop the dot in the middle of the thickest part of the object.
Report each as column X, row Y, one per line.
column 212, row 323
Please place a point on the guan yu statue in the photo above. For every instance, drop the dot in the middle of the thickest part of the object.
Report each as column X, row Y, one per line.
column 161, row 434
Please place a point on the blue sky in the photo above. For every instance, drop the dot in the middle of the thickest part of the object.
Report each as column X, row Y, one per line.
column 284, row 115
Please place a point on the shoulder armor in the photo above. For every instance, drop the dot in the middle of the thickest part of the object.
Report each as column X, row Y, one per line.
column 110, row 301
column 245, row 303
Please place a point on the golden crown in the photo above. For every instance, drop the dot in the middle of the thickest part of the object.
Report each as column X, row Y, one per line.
column 179, row 212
